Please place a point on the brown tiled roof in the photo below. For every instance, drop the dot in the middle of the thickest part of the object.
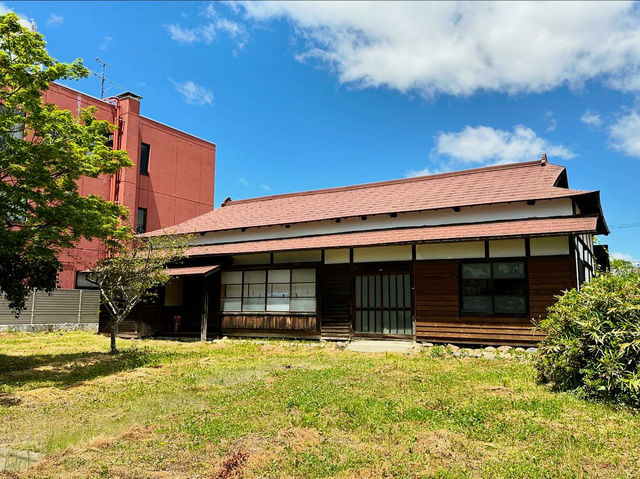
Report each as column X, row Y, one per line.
column 191, row 270
column 497, row 184
column 497, row 229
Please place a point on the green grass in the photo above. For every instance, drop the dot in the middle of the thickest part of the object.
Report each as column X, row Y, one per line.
column 295, row 409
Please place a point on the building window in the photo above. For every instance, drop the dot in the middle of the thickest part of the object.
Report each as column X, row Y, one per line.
column 584, row 259
column 144, row 158
column 82, row 281
column 141, row 223
column 273, row 290
column 494, row 288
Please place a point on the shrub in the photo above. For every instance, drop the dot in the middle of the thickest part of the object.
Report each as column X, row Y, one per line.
column 592, row 342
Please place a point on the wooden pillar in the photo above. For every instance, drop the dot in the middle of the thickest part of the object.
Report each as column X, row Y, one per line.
column 205, row 309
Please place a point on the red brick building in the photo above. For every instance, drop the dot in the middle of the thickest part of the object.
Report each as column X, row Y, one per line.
column 172, row 179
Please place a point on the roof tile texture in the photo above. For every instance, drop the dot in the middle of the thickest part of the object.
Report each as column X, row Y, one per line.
column 498, row 184
column 190, row 270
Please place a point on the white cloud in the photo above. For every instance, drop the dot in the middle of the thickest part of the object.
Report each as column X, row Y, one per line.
column 483, row 144
column 426, row 172
column 206, row 32
column 106, row 41
column 193, row 94
column 201, row 33
column 243, row 182
column 54, row 19
column 232, row 28
column 591, row 118
column 624, row 134
column 553, row 122
column 266, row 187
column 459, row 48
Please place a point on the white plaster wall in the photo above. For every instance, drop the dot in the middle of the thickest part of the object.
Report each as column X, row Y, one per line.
column 549, row 245
column 456, row 250
column 506, row 248
column 382, row 253
column 259, row 258
column 336, row 256
column 512, row 211
column 297, row 256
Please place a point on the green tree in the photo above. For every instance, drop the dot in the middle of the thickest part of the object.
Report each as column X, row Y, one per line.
column 622, row 266
column 43, row 152
column 133, row 274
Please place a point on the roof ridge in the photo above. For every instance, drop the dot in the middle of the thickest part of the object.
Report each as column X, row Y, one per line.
column 388, row 182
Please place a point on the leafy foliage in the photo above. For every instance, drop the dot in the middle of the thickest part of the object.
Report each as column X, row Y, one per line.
column 623, row 266
column 134, row 273
column 43, row 152
column 593, row 340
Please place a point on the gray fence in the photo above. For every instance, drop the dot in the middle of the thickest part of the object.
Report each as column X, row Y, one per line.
column 62, row 309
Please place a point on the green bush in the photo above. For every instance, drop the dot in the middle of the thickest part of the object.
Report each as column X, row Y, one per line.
column 592, row 342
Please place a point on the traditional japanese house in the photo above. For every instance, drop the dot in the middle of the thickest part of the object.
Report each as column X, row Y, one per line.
column 472, row 256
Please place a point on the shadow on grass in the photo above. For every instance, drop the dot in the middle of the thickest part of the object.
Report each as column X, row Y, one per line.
column 68, row 370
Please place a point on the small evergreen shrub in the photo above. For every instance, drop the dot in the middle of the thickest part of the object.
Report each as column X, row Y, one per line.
column 592, row 342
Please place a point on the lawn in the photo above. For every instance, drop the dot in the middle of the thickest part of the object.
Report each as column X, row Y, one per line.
column 232, row 408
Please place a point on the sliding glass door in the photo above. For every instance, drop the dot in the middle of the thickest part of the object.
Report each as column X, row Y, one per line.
column 383, row 305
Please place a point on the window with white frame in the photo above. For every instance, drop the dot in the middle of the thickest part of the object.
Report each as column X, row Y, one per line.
column 273, row 290
column 585, row 263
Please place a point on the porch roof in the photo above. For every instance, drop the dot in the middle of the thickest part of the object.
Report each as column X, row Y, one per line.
column 426, row 234
column 191, row 270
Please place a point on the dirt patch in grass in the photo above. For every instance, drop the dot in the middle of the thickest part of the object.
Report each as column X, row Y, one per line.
column 447, row 448
column 274, row 348
column 497, row 389
column 231, row 466
column 36, row 396
column 298, row 439
column 142, row 373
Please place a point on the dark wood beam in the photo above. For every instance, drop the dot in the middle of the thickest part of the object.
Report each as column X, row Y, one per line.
column 205, row 309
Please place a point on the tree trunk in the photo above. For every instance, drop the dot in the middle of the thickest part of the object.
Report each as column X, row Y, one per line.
column 114, row 332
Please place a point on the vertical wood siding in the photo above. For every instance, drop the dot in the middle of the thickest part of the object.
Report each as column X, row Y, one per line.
column 272, row 323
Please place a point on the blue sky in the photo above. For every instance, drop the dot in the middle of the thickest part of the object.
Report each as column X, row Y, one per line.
column 310, row 95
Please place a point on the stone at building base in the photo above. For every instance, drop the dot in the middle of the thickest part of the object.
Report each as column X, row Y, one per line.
column 37, row 328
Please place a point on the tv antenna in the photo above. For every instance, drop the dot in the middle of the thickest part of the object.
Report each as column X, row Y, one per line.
column 104, row 65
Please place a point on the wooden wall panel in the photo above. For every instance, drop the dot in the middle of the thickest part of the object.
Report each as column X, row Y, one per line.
column 335, row 301
column 269, row 325
column 436, row 291
column 437, row 303
column 548, row 277
column 271, row 322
